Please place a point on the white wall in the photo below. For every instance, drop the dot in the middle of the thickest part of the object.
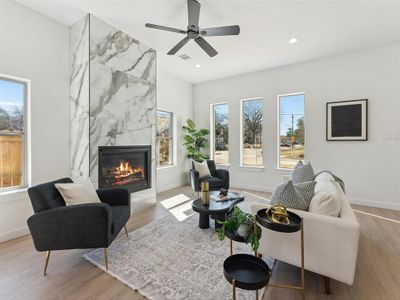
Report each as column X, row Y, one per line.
column 371, row 170
column 175, row 95
column 35, row 47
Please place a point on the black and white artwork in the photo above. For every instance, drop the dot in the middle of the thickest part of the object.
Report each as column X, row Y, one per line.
column 347, row 120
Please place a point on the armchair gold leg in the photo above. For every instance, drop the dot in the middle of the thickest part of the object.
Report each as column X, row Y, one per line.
column 46, row 263
column 106, row 257
column 126, row 231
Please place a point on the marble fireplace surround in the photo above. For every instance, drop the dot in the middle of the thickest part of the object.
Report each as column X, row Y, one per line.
column 113, row 98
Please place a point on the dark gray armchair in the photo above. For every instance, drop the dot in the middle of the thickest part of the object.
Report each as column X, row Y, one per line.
column 55, row 226
column 219, row 178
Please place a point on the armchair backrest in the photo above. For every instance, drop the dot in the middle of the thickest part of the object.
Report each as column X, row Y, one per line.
column 45, row 196
column 211, row 167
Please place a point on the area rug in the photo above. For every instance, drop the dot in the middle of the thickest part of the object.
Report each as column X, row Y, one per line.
column 168, row 259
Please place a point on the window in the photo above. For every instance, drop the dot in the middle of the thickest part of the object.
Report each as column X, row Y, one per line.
column 219, row 133
column 164, row 138
column 251, row 132
column 12, row 133
column 291, row 130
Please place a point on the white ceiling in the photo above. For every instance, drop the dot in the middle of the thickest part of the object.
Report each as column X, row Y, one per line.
column 323, row 27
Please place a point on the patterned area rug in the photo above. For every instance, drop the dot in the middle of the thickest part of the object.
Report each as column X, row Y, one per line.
column 168, row 259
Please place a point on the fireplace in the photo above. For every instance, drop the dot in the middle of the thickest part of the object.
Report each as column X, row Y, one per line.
column 125, row 166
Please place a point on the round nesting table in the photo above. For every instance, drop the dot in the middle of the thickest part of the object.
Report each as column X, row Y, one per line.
column 217, row 209
column 247, row 272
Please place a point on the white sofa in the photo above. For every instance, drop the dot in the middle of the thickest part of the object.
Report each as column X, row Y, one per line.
column 330, row 243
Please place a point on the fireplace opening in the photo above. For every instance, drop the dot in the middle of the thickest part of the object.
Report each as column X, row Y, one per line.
column 125, row 166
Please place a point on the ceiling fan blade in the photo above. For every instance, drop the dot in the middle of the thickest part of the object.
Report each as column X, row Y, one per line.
column 219, row 31
column 178, row 46
column 206, row 46
column 193, row 12
column 160, row 27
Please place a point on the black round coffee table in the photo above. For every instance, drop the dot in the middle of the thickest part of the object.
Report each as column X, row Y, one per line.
column 247, row 272
column 217, row 209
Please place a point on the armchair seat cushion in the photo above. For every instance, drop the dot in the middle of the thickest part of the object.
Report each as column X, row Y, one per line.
column 215, row 182
column 120, row 215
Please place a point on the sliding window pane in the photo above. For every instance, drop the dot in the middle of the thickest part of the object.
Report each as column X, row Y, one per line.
column 12, row 132
column 221, row 133
column 164, row 138
column 252, row 127
column 291, row 130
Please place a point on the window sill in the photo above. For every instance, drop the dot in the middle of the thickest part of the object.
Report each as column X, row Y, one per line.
column 166, row 167
column 223, row 166
column 284, row 170
column 13, row 195
column 260, row 168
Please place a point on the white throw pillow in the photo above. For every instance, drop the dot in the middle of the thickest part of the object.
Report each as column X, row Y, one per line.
column 327, row 198
column 78, row 193
column 202, row 168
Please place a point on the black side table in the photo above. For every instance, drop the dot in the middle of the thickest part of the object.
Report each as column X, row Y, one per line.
column 247, row 272
column 296, row 224
column 234, row 236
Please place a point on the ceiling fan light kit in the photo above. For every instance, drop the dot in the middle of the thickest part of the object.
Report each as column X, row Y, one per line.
column 193, row 31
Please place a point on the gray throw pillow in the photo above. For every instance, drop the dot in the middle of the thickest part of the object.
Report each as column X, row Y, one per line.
column 297, row 196
column 302, row 173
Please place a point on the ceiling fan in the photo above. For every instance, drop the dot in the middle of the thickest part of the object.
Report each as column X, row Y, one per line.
column 194, row 33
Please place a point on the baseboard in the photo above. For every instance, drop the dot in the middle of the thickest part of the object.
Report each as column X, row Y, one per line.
column 6, row 236
column 252, row 187
column 387, row 205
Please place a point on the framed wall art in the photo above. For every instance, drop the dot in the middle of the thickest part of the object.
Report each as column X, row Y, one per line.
column 347, row 120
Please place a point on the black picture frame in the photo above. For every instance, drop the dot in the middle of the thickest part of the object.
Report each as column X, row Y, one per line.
column 347, row 120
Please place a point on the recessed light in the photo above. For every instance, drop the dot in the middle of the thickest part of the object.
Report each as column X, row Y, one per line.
column 197, row 66
column 293, row 40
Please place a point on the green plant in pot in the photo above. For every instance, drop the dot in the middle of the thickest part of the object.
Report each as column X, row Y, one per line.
column 195, row 141
column 241, row 223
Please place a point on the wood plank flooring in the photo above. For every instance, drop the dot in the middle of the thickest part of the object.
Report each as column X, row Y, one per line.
column 72, row 277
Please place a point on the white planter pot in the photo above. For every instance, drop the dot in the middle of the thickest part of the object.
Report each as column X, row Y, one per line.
column 243, row 230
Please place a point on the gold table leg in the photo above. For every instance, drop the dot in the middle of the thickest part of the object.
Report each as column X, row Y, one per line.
column 302, row 259
column 256, row 294
column 106, row 257
column 46, row 263
column 234, row 289
column 126, row 231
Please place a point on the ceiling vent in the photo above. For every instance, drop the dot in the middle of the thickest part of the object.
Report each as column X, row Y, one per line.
column 184, row 57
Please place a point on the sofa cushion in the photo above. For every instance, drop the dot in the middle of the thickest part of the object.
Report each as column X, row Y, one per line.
column 214, row 182
column 327, row 197
column 78, row 193
column 302, row 173
column 202, row 168
column 297, row 196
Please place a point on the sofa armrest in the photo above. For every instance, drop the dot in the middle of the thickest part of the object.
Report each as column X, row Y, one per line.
column 194, row 179
column 330, row 244
column 115, row 196
column 72, row 227
column 224, row 175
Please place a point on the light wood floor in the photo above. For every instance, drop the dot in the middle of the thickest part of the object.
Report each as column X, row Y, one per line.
column 72, row 277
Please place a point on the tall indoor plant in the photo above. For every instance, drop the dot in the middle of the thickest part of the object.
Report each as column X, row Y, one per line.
column 195, row 141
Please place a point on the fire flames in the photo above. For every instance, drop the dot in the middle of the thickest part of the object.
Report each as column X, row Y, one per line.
column 125, row 172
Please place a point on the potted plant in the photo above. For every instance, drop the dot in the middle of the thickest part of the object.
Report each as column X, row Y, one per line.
column 195, row 140
column 242, row 224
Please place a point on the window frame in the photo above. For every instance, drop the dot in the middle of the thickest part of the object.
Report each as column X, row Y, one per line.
column 212, row 131
column 26, row 140
column 278, row 126
column 173, row 136
column 241, row 133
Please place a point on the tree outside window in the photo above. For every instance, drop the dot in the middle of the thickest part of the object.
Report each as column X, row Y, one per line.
column 252, row 127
